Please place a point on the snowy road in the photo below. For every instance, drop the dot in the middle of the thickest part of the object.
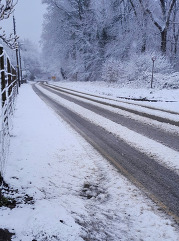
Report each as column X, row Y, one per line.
column 76, row 193
column 148, row 159
column 139, row 125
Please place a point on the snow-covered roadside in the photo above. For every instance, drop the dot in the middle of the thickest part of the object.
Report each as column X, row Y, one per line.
column 163, row 126
column 160, row 152
column 76, row 192
column 138, row 107
column 114, row 90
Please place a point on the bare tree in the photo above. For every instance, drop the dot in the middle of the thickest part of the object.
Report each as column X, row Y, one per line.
column 6, row 9
column 163, row 26
column 175, row 27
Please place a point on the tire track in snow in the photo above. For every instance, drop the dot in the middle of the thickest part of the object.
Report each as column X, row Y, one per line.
column 169, row 138
column 156, row 114
column 158, row 182
column 158, row 151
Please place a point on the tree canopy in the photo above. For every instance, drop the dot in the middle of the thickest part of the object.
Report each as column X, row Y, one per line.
column 80, row 35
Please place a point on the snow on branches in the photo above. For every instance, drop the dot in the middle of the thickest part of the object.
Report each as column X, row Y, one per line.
column 6, row 9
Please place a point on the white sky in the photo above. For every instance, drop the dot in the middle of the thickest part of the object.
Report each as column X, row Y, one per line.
column 29, row 18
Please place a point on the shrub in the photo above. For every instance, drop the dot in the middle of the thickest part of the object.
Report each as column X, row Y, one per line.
column 113, row 70
column 138, row 67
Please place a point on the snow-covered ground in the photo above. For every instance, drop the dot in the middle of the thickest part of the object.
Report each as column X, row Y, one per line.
column 152, row 148
column 77, row 194
column 167, row 98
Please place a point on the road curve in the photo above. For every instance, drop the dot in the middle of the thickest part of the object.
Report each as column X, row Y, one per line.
column 158, row 182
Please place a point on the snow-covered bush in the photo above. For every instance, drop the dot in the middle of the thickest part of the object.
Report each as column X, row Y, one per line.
column 137, row 70
column 143, row 62
column 113, row 70
column 170, row 81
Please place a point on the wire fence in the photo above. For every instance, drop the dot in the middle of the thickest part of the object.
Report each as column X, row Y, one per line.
column 9, row 90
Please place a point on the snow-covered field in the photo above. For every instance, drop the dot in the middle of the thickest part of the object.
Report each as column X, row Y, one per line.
column 167, row 98
column 77, row 194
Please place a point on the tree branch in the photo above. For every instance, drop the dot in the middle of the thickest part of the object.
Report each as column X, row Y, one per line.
column 169, row 12
column 7, row 8
column 10, row 41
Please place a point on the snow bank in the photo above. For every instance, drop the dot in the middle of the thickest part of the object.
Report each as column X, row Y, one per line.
column 166, row 99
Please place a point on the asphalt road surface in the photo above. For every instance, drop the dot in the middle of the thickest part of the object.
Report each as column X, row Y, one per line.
column 159, row 183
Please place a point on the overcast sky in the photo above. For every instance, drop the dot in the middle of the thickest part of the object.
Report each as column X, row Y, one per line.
column 29, row 18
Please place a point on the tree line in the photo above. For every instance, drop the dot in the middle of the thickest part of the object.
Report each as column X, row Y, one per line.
column 80, row 35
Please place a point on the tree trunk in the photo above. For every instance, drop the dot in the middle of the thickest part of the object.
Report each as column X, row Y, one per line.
column 144, row 35
column 164, row 40
column 176, row 43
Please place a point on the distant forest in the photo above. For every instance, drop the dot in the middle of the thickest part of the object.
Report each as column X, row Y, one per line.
column 81, row 37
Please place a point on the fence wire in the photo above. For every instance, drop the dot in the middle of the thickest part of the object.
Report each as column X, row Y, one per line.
column 9, row 88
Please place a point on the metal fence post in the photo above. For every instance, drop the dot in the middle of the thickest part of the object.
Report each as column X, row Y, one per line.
column 3, row 82
column 153, row 60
